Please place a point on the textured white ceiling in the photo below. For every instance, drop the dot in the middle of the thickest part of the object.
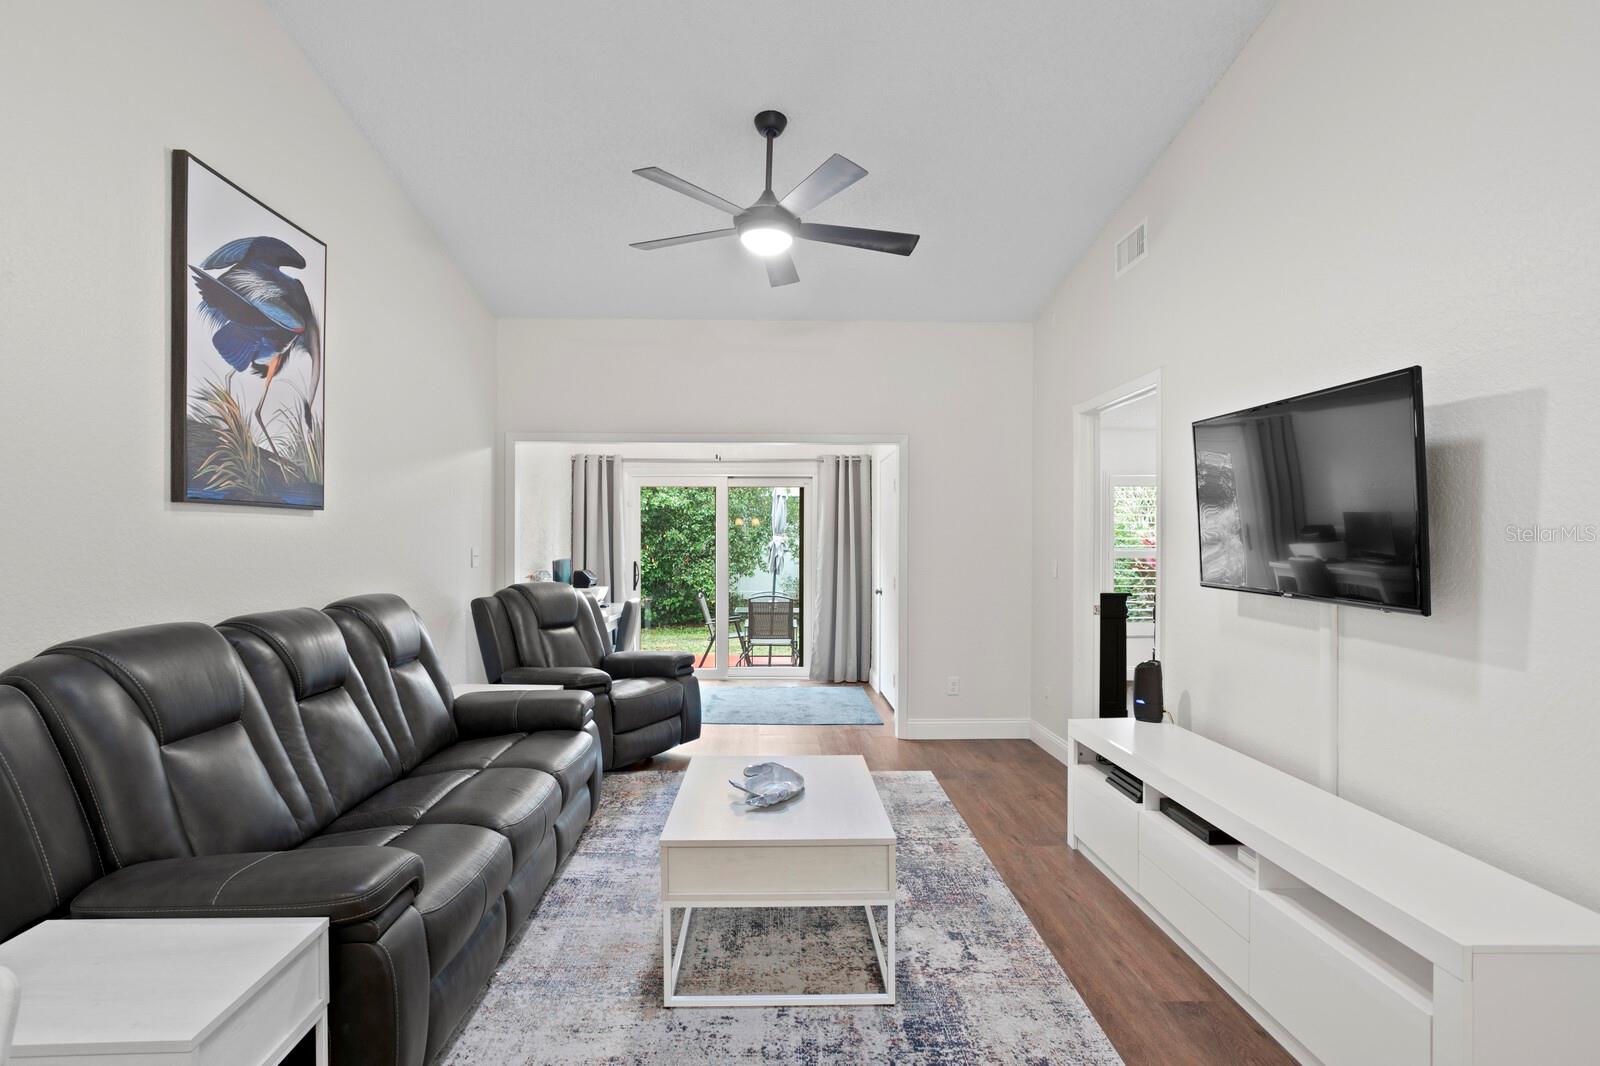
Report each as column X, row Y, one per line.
column 1004, row 133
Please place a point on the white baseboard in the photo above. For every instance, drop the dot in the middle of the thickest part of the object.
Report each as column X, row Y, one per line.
column 965, row 729
column 1052, row 742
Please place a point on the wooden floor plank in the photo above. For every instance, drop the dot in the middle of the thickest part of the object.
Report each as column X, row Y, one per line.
column 1154, row 1002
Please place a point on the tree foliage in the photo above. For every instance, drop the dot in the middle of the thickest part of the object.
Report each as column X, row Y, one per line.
column 678, row 545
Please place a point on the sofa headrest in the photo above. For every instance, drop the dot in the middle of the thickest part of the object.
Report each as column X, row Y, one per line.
column 391, row 620
column 555, row 604
column 307, row 642
column 184, row 676
column 45, row 848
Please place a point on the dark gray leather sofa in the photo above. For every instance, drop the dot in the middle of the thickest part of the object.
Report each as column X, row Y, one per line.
column 296, row 763
column 548, row 633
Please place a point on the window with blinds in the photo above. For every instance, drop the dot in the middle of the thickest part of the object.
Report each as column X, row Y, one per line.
column 1132, row 510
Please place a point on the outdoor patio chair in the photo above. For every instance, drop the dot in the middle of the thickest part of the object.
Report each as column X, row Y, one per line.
column 628, row 625
column 737, row 625
column 770, row 625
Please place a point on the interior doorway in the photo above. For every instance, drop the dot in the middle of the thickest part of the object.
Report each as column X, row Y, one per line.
column 1116, row 527
column 536, row 529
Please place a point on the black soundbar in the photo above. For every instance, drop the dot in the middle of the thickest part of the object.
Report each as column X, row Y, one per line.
column 1195, row 824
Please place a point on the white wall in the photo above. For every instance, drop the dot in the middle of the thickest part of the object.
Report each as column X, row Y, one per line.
column 541, row 505
column 96, row 97
column 959, row 393
column 1374, row 185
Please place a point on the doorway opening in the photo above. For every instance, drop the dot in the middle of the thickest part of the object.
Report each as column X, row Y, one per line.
column 1117, row 527
column 722, row 555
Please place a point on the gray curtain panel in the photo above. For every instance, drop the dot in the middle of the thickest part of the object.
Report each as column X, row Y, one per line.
column 1283, row 504
column 597, row 519
column 842, row 650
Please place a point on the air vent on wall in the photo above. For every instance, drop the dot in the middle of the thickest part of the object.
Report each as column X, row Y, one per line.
column 1130, row 249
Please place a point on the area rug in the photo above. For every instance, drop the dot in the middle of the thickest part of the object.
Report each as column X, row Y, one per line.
column 742, row 703
column 583, row 983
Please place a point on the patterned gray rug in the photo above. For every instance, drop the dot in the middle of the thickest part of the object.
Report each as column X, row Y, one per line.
column 583, row 984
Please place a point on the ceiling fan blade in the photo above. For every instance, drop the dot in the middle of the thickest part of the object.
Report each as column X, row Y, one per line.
column 873, row 240
column 781, row 271
column 687, row 238
column 677, row 184
column 834, row 176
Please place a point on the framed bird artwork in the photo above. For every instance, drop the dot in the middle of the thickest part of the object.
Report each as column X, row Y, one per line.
column 249, row 299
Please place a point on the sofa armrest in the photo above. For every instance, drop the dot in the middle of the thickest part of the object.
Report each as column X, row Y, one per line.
column 344, row 884
column 514, row 710
column 586, row 678
column 648, row 664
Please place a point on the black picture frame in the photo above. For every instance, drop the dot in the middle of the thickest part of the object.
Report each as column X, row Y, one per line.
column 244, row 322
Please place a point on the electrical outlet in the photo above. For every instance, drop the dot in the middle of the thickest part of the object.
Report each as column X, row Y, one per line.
column 952, row 685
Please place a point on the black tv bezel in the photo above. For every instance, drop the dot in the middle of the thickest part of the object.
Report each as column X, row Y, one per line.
column 1419, row 445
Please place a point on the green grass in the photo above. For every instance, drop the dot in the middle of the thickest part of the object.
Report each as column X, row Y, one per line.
column 691, row 639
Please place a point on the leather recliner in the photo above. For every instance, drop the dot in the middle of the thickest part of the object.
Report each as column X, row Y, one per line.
column 262, row 769
column 548, row 633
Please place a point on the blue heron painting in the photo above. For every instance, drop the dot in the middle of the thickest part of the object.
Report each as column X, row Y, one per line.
column 248, row 359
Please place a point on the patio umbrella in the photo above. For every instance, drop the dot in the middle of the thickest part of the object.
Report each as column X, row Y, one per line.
column 777, row 551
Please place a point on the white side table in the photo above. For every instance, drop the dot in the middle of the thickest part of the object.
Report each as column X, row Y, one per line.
column 114, row 992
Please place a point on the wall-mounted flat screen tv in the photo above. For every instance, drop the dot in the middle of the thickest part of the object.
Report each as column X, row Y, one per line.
column 1319, row 497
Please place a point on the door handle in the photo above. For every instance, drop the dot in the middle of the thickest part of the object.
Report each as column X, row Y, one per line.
column 636, row 575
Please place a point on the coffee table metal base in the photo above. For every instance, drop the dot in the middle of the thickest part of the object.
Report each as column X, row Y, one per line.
column 672, row 962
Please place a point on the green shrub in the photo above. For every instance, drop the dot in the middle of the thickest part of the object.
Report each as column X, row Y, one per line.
column 678, row 542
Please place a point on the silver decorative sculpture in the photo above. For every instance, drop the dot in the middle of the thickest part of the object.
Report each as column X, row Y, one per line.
column 767, row 784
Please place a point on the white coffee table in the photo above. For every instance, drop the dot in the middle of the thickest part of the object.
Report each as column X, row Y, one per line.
column 831, row 847
column 242, row 991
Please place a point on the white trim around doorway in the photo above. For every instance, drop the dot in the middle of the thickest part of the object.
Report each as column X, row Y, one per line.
column 905, row 723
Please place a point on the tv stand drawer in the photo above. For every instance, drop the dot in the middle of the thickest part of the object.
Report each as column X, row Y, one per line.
column 1106, row 821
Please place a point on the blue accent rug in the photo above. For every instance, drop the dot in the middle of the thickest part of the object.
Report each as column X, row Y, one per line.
column 741, row 703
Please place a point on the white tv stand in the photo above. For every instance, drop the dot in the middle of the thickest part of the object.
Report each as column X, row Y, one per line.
column 1352, row 939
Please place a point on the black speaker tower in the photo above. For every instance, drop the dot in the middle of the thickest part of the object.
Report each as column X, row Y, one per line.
column 1113, row 655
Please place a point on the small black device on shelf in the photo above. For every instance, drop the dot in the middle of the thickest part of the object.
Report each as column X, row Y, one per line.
column 1132, row 792
column 1121, row 780
column 585, row 579
column 1149, row 705
column 1195, row 824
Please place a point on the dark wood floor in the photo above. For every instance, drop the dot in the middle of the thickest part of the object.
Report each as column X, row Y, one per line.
column 1154, row 1003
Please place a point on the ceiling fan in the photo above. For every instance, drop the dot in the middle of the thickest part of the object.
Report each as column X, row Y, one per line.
column 769, row 226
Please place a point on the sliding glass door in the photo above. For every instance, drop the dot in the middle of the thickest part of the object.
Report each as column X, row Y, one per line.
column 766, row 569
column 721, row 569
column 678, row 549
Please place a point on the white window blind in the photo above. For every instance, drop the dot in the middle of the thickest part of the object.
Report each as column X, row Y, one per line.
column 1131, row 507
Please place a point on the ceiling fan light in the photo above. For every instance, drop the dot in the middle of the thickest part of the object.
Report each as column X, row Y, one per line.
column 766, row 240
